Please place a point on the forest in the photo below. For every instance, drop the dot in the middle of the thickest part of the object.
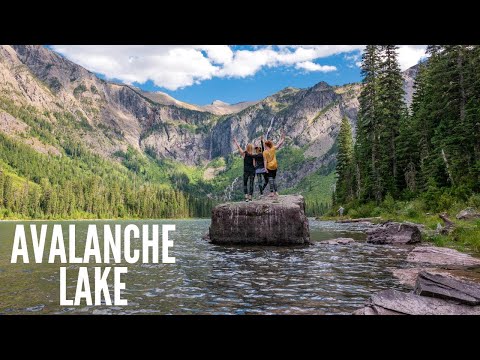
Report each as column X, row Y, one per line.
column 413, row 162
column 83, row 185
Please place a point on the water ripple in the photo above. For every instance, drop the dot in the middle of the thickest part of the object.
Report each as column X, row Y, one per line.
column 211, row 279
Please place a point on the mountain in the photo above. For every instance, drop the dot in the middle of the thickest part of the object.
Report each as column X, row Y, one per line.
column 409, row 76
column 49, row 102
column 217, row 107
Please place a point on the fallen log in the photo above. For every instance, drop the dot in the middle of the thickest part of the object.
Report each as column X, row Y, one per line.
column 449, row 225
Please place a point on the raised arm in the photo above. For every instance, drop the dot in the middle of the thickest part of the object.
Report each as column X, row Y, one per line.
column 239, row 148
column 280, row 143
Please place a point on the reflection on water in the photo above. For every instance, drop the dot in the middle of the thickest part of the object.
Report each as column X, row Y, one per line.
column 211, row 279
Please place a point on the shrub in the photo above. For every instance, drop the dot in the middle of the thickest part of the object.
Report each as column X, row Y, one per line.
column 445, row 202
column 474, row 201
column 389, row 203
column 80, row 89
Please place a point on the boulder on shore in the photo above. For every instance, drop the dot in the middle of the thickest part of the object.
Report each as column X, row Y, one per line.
column 448, row 288
column 467, row 214
column 394, row 302
column 394, row 233
column 444, row 257
column 408, row 276
column 261, row 222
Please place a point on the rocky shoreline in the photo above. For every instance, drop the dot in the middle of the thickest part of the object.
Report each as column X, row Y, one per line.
column 442, row 281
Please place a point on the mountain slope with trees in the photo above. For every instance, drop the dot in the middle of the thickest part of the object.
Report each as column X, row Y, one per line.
column 73, row 119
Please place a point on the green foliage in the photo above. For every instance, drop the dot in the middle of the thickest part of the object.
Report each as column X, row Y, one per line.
column 317, row 189
column 84, row 185
column 291, row 158
column 39, row 126
column 217, row 162
column 345, row 169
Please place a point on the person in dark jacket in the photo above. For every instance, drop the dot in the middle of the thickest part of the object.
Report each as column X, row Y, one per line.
column 260, row 171
column 248, row 170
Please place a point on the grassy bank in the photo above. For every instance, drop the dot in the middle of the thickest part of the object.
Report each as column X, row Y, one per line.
column 464, row 237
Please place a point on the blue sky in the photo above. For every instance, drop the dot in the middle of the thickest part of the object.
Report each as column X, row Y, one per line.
column 200, row 74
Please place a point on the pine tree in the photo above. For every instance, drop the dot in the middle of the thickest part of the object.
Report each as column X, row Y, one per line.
column 344, row 169
column 8, row 196
column 366, row 146
column 391, row 112
column 2, row 181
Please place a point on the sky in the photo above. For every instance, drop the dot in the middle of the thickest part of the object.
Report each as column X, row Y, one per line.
column 200, row 74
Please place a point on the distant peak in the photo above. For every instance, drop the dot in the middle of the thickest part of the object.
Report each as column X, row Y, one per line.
column 322, row 85
column 219, row 103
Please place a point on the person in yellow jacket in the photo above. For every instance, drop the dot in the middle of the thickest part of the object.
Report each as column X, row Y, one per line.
column 271, row 165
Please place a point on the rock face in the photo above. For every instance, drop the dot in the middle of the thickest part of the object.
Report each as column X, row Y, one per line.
column 262, row 222
column 394, row 233
column 441, row 256
column 443, row 287
column 409, row 76
column 467, row 214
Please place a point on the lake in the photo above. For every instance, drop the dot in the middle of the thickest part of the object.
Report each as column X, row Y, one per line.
column 212, row 279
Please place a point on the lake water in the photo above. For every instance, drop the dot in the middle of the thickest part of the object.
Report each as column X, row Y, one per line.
column 211, row 279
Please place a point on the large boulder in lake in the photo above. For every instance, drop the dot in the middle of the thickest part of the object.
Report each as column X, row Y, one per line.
column 394, row 233
column 261, row 222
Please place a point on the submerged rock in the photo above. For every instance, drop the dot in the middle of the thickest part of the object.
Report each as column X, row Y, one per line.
column 338, row 241
column 394, row 233
column 261, row 222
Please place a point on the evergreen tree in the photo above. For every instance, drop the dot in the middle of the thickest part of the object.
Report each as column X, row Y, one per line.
column 344, row 169
column 8, row 196
column 367, row 142
column 391, row 112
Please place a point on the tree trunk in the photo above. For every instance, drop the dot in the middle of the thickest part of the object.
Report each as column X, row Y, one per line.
column 444, row 156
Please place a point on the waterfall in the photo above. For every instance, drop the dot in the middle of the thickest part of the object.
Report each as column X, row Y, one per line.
column 211, row 146
column 229, row 190
column 269, row 128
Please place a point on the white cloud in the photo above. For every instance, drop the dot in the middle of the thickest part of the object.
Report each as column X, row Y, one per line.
column 177, row 66
column 219, row 54
column 174, row 67
column 409, row 55
column 310, row 66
